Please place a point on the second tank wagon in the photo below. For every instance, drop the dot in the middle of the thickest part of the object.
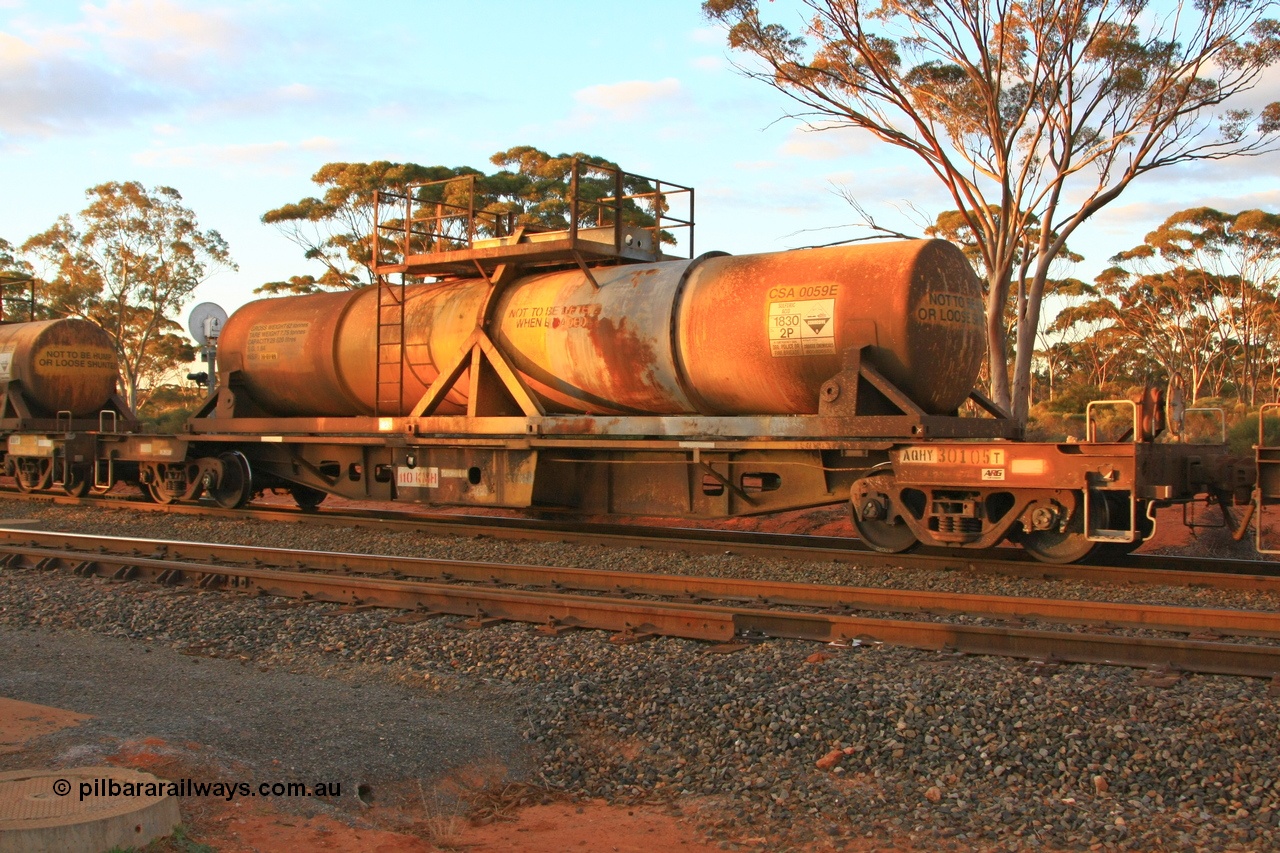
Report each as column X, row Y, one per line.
column 66, row 366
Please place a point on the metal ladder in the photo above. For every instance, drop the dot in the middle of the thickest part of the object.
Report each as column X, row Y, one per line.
column 390, row 346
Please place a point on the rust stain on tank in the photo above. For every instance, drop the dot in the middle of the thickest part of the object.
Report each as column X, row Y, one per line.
column 620, row 345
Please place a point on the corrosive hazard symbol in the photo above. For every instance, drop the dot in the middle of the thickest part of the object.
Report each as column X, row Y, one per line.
column 817, row 324
column 805, row 327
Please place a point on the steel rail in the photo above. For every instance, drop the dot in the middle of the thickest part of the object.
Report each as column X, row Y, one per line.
column 560, row 611
column 1255, row 623
column 1163, row 570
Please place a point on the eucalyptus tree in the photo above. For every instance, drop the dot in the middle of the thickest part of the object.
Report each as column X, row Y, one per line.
column 15, row 277
column 1171, row 317
column 1097, row 346
column 9, row 262
column 1031, row 115
column 1234, row 259
column 129, row 262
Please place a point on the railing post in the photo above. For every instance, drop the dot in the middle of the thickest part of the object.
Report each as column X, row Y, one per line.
column 471, row 210
column 617, row 210
column 377, row 204
column 573, row 204
column 691, row 222
column 408, row 226
column 658, row 210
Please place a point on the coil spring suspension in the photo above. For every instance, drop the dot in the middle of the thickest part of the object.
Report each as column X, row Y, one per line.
column 958, row 524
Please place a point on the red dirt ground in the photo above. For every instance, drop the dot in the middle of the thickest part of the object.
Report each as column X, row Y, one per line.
column 251, row 827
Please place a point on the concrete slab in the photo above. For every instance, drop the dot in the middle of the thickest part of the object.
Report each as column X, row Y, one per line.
column 83, row 810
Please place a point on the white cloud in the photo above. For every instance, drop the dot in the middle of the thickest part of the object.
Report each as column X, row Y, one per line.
column 118, row 62
column 827, row 142
column 708, row 35
column 299, row 92
column 261, row 102
column 1150, row 213
column 43, row 94
column 633, row 99
column 276, row 157
column 161, row 35
column 710, row 63
column 14, row 52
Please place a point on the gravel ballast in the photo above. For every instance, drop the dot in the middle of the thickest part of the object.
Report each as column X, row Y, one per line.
column 787, row 738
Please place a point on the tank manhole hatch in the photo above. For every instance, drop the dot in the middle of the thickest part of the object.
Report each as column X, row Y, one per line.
column 83, row 808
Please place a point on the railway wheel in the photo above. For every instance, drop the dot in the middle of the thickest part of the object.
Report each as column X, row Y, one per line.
column 236, row 486
column 1057, row 548
column 160, row 494
column 306, row 497
column 33, row 474
column 1062, row 546
column 871, row 508
column 76, row 480
column 885, row 537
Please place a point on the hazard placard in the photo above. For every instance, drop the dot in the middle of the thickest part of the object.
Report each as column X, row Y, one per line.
column 806, row 327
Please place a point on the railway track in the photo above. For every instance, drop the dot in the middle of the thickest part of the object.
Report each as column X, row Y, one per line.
column 1169, row 570
column 728, row 612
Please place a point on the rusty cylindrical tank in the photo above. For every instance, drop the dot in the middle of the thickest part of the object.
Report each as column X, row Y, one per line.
column 917, row 303
column 317, row 355
column 718, row 335
column 63, row 365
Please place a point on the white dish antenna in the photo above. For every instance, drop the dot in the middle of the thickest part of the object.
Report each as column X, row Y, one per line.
column 206, row 322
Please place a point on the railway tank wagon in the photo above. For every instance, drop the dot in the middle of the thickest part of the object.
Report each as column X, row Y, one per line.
column 58, row 391
column 623, row 389
column 585, row 369
column 665, row 338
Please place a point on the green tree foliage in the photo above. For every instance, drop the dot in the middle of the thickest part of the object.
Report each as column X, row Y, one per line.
column 128, row 262
column 1033, row 116
column 15, row 283
column 11, row 266
column 334, row 229
column 1230, row 262
column 534, row 188
column 531, row 188
column 1196, row 303
column 169, row 406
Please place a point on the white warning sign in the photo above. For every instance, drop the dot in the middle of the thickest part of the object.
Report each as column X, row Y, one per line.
column 807, row 327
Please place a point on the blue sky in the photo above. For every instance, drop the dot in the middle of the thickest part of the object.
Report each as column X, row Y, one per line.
column 236, row 104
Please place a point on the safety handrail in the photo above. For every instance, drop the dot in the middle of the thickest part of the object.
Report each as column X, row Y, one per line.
column 414, row 222
column 1222, row 420
column 1091, row 427
column 1262, row 417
